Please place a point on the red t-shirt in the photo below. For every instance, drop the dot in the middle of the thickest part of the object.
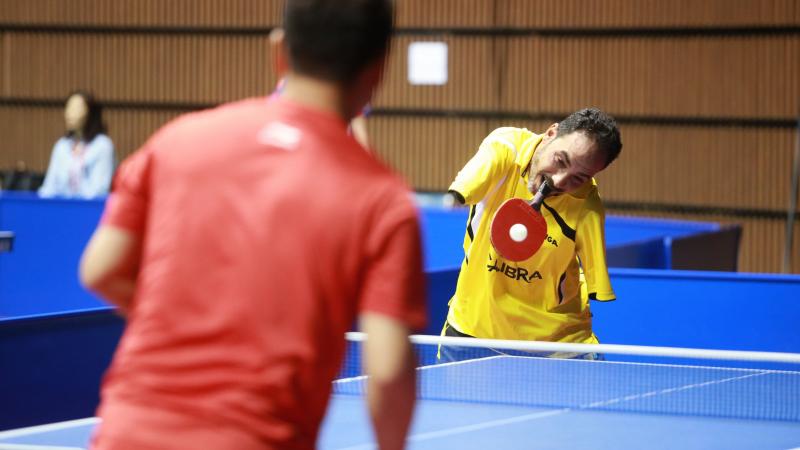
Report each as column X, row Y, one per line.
column 266, row 229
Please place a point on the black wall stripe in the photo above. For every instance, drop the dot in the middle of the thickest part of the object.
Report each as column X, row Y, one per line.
column 555, row 116
column 436, row 31
column 745, row 213
column 605, row 32
column 722, row 122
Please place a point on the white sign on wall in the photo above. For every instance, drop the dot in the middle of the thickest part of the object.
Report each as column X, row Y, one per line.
column 427, row 63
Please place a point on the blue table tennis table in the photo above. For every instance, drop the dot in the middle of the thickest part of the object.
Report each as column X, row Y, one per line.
column 510, row 402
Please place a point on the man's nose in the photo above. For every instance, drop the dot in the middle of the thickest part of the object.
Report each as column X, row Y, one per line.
column 559, row 181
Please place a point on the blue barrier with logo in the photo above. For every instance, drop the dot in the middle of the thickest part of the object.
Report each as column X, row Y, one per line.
column 716, row 310
column 40, row 275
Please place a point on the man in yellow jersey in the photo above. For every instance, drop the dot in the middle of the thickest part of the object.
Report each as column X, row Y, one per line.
column 546, row 297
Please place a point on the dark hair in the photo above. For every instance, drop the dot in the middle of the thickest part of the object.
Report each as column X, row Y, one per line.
column 94, row 117
column 336, row 39
column 598, row 126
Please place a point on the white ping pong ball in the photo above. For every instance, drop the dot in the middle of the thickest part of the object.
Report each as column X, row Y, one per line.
column 518, row 232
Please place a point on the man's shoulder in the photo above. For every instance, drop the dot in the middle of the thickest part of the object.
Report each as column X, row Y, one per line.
column 588, row 192
column 233, row 108
column 212, row 121
column 383, row 189
column 384, row 182
column 586, row 199
column 512, row 134
column 230, row 111
column 580, row 201
column 512, row 138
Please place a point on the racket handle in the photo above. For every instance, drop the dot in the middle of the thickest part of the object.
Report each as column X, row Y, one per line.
column 538, row 198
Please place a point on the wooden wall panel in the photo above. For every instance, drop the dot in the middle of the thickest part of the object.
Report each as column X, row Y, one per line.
column 32, row 144
column 28, row 134
column 762, row 245
column 142, row 68
column 725, row 167
column 416, row 13
column 150, row 13
column 727, row 77
column 427, row 151
column 472, row 77
column 646, row 13
column 446, row 13
column 537, row 76
column 664, row 76
column 5, row 68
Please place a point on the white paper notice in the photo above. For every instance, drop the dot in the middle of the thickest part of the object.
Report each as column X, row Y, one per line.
column 427, row 63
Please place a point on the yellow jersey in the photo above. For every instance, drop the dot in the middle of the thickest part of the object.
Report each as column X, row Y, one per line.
column 545, row 297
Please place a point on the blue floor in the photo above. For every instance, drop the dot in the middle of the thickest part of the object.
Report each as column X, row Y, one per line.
column 501, row 403
column 441, row 425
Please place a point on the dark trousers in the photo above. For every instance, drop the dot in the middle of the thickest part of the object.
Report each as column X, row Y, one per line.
column 451, row 353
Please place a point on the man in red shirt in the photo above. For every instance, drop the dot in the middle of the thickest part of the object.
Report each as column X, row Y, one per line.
column 243, row 241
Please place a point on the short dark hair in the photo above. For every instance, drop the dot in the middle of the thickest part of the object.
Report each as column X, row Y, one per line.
column 94, row 117
column 336, row 39
column 598, row 126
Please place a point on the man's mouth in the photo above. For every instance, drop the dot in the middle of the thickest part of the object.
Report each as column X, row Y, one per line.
column 536, row 183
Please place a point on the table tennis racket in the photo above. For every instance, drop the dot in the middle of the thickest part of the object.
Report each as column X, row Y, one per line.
column 518, row 228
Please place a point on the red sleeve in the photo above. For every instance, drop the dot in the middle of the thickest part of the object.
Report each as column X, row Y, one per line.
column 394, row 284
column 126, row 206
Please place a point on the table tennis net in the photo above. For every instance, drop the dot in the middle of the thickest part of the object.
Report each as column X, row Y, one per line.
column 651, row 380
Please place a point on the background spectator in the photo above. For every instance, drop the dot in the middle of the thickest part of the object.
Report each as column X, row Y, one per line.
column 82, row 161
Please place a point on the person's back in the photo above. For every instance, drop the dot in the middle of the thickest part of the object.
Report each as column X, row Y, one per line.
column 247, row 240
column 257, row 262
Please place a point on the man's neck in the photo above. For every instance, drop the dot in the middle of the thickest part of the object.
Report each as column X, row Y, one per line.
column 316, row 94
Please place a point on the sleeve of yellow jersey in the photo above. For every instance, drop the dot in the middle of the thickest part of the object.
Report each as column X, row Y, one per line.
column 496, row 154
column 591, row 246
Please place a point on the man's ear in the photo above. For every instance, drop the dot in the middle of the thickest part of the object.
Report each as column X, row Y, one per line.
column 550, row 133
column 365, row 84
column 278, row 52
column 373, row 73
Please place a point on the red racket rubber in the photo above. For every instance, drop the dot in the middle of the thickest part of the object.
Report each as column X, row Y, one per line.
column 514, row 211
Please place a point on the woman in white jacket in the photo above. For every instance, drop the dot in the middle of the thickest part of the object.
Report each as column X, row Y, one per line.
column 82, row 161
